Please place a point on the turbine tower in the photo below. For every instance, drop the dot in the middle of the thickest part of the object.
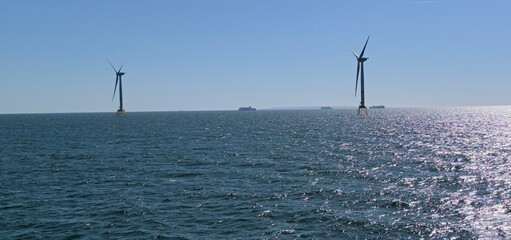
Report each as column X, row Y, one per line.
column 118, row 80
column 360, row 70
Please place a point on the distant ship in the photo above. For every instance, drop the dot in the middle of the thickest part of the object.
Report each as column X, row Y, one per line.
column 326, row 108
column 249, row 108
column 377, row 107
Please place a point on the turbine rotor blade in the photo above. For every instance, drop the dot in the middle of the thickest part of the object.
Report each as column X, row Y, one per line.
column 121, row 67
column 354, row 54
column 112, row 65
column 115, row 88
column 356, row 81
column 363, row 50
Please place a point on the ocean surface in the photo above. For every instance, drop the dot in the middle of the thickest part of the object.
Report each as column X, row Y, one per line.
column 441, row 173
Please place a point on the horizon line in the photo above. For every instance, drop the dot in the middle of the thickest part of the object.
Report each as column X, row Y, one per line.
column 263, row 109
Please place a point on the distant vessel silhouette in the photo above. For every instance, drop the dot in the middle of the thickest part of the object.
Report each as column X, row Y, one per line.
column 326, row 107
column 377, row 107
column 249, row 108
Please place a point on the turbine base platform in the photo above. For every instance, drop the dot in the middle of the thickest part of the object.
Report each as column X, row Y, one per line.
column 362, row 108
column 121, row 112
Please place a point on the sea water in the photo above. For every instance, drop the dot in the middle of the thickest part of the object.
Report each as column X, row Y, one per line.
column 296, row 174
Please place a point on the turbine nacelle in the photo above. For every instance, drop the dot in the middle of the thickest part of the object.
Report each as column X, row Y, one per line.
column 120, row 73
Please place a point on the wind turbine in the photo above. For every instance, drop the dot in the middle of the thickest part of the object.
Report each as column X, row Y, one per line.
column 118, row 80
column 360, row 70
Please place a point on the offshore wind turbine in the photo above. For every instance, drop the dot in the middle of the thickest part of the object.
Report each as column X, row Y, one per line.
column 360, row 70
column 118, row 80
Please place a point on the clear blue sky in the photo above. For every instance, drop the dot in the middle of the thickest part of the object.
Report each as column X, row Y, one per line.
column 223, row 54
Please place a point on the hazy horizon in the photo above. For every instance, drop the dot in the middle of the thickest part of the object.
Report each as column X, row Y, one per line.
column 354, row 108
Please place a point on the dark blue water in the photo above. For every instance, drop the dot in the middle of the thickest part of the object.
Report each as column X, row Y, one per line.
column 317, row 174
